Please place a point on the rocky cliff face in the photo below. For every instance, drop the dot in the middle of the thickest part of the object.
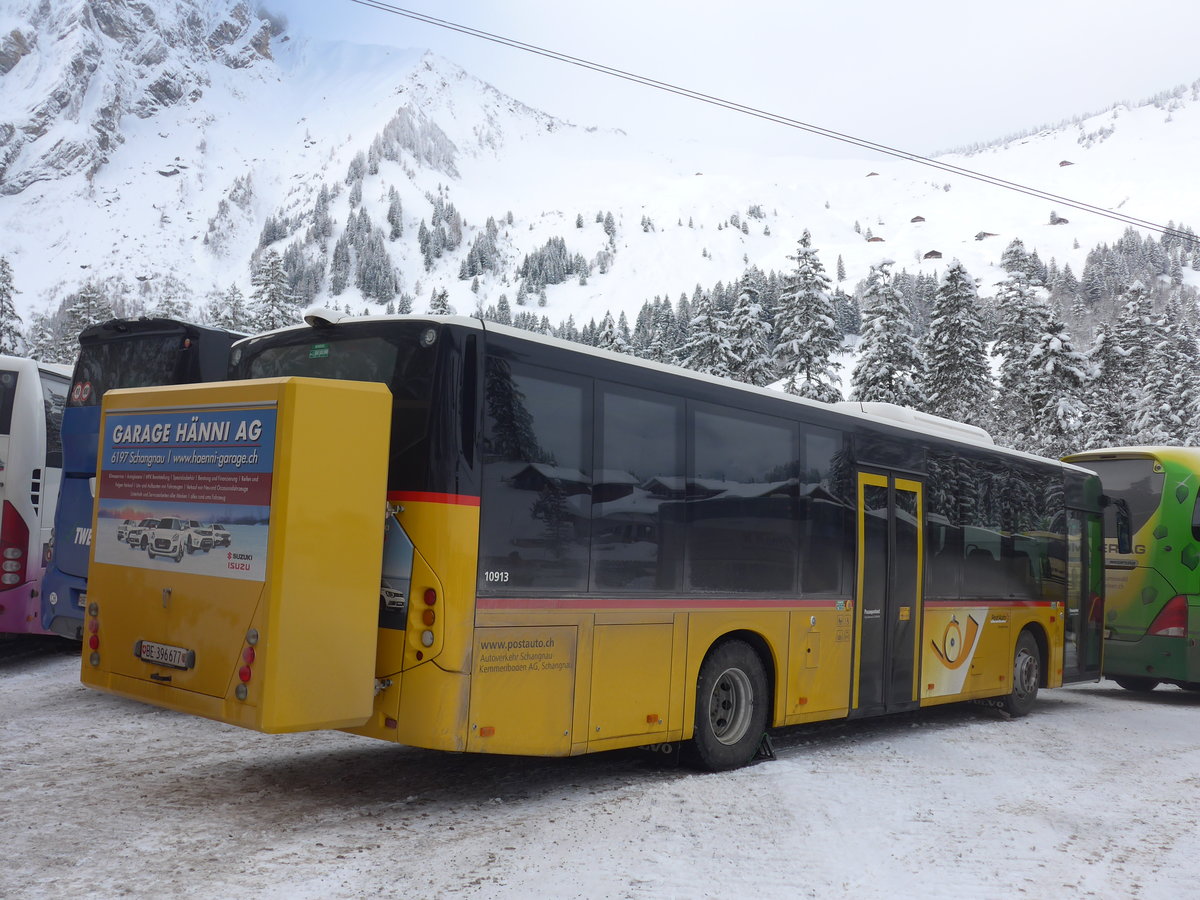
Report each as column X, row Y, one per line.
column 72, row 70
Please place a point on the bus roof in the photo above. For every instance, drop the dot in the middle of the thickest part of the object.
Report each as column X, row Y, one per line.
column 143, row 324
column 23, row 361
column 1189, row 456
column 885, row 414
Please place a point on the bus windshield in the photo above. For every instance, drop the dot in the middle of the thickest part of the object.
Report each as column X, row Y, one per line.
column 140, row 360
column 391, row 353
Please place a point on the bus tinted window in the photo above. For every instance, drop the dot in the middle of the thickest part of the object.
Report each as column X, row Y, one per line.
column 1135, row 482
column 537, row 483
column 139, row 361
column 993, row 531
column 8, row 392
column 825, row 511
column 54, row 396
column 743, row 521
column 397, row 360
column 640, row 468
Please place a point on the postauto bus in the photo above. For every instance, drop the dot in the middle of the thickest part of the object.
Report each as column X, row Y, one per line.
column 119, row 353
column 528, row 546
column 32, row 395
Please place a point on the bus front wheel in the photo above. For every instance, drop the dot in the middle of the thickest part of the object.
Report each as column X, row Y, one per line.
column 1027, row 676
column 731, row 708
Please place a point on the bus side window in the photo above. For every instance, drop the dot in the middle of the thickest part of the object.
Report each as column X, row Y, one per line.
column 639, row 470
column 537, row 479
column 743, row 524
column 54, row 396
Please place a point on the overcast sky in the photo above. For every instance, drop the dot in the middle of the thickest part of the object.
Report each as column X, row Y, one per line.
column 922, row 76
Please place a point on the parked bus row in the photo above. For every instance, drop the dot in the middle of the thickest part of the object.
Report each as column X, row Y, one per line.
column 580, row 551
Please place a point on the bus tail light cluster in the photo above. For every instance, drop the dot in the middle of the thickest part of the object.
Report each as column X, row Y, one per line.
column 14, row 541
column 428, row 617
column 246, row 672
column 93, row 629
column 1172, row 621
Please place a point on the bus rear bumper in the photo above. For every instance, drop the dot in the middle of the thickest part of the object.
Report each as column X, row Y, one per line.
column 21, row 610
column 1166, row 659
column 62, row 601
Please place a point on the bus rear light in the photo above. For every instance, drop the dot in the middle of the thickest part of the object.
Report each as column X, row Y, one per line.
column 428, row 617
column 94, row 642
column 248, row 656
column 93, row 625
column 14, row 539
column 244, row 674
column 427, row 638
column 1172, row 621
column 430, row 596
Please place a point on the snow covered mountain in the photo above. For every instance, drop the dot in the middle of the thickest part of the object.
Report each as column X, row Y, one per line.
column 157, row 151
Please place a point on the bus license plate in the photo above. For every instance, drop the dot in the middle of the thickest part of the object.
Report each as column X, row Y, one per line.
column 166, row 655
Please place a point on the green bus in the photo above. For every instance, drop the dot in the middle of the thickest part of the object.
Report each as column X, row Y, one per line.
column 1152, row 564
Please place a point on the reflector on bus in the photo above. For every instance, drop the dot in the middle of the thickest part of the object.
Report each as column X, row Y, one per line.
column 234, row 628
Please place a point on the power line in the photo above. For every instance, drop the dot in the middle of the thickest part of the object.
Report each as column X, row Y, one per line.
column 776, row 118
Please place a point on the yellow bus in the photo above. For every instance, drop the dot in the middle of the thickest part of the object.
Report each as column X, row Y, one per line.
column 581, row 551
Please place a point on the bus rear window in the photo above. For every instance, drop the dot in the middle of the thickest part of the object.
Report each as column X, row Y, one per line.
column 8, row 391
column 395, row 359
column 1137, row 483
column 136, row 361
column 353, row 359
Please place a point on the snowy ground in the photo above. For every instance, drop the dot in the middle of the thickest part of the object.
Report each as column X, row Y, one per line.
column 1093, row 795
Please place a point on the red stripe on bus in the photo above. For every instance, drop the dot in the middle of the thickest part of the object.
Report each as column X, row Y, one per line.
column 965, row 603
column 425, row 497
column 646, row 603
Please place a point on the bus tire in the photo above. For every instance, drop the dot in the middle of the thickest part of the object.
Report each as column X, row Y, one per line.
column 731, row 708
column 1137, row 683
column 1027, row 676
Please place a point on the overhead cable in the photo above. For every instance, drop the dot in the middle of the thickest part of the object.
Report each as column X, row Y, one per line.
column 778, row 119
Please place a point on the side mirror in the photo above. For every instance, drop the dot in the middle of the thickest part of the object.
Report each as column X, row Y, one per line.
column 1123, row 522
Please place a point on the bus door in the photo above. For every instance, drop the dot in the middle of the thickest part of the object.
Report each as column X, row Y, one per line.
column 888, row 600
column 1085, row 597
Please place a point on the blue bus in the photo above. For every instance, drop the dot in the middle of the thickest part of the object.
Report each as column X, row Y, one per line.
column 120, row 353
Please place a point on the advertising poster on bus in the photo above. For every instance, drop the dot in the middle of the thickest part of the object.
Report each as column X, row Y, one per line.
column 187, row 490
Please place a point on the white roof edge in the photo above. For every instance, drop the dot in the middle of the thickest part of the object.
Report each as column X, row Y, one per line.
column 924, row 422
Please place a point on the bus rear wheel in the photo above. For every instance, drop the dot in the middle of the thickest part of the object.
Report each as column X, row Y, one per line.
column 731, row 708
column 1027, row 676
column 1137, row 684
